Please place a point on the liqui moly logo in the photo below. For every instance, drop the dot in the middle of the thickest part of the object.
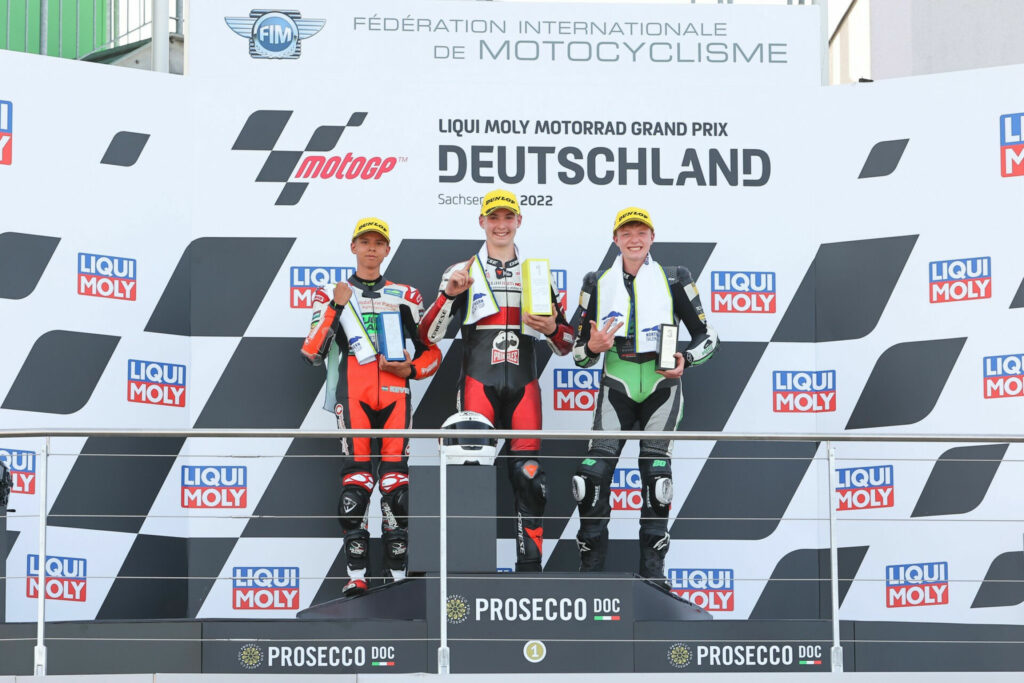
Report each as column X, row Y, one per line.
column 6, row 132
column 22, row 465
column 916, row 585
column 108, row 277
column 161, row 384
column 960, row 280
column 576, row 389
column 711, row 589
column 1003, row 375
column 306, row 280
column 804, row 391
column 864, row 488
column 1011, row 144
column 265, row 588
column 742, row 291
column 560, row 277
column 65, row 578
column 208, row 486
column 626, row 489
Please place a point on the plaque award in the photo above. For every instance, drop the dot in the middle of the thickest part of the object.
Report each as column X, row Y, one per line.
column 667, row 338
column 537, row 286
column 390, row 337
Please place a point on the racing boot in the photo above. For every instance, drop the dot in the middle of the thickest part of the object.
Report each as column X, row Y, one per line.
column 357, row 553
column 593, row 552
column 652, row 559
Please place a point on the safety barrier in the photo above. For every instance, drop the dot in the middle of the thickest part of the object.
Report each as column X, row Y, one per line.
column 827, row 461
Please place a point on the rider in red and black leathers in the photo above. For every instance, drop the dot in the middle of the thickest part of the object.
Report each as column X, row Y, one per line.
column 499, row 377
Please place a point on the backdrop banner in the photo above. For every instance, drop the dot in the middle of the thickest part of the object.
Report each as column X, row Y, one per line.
column 161, row 239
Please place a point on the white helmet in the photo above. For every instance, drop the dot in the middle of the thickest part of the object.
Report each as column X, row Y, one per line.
column 469, row 448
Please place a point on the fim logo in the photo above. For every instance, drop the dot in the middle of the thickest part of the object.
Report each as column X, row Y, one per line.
column 960, row 280
column 1004, row 375
column 307, row 280
column 65, row 578
column 679, row 655
column 108, row 277
column 798, row 391
column 250, row 656
column 710, row 589
column 1011, row 149
column 864, row 488
column 576, row 389
column 275, row 34
column 6, row 132
column 915, row 585
column 265, row 588
column 742, row 291
column 626, row 489
column 204, row 486
column 161, row 384
column 22, row 465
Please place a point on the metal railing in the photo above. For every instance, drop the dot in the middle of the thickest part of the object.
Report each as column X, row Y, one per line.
column 827, row 439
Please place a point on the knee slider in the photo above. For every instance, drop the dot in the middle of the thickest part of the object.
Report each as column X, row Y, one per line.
column 530, row 483
column 352, row 507
column 659, row 493
column 592, row 476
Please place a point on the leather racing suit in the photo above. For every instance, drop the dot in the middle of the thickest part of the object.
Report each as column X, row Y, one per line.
column 634, row 396
column 499, row 381
column 366, row 397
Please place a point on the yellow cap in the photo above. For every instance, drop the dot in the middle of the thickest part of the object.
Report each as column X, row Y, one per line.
column 499, row 199
column 632, row 214
column 372, row 225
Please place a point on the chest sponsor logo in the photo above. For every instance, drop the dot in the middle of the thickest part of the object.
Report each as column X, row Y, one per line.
column 6, row 132
column 576, row 389
column 306, row 280
column 108, row 277
column 265, row 588
column 205, row 486
column 804, row 391
column 157, row 383
column 1003, row 375
column 711, row 589
column 742, row 291
column 1011, row 144
column 917, row 585
column 65, row 578
column 960, row 280
column 505, row 348
column 22, row 465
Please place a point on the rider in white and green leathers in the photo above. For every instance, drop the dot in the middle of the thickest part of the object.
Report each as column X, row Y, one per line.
column 621, row 309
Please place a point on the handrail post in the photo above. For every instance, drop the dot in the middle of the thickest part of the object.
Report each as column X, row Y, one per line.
column 40, row 651
column 443, row 654
column 833, row 552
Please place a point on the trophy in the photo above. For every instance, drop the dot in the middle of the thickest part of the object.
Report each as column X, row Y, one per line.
column 390, row 337
column 537, row 286
column 667, row 338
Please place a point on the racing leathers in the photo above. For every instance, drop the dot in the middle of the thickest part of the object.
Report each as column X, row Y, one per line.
column 366, row 397
column 499, row 381
column 634, row 396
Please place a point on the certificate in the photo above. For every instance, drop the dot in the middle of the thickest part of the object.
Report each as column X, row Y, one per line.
column 667, row 347
column 537, row 286
column 390, row 337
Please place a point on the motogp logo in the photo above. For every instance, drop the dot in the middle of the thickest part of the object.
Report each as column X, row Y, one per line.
column 275, row 34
